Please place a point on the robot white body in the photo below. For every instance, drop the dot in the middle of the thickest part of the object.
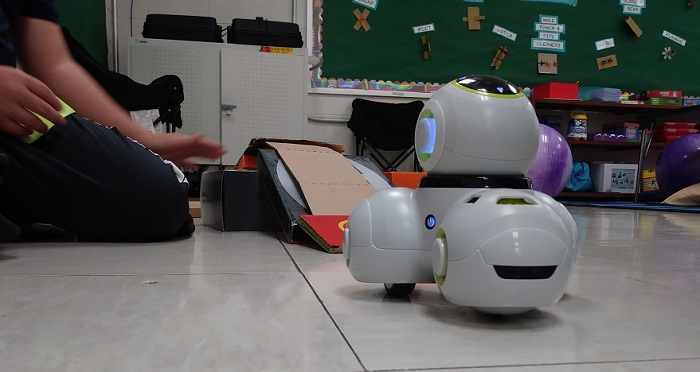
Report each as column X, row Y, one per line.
column 488, row 241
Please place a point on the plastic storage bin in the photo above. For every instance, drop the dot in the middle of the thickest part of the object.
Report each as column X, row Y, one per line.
column 613, row 177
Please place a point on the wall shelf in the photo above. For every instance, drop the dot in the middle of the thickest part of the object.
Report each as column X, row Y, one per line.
column 612, row 145
column 570, row 195
column 592, row 195
column 609, row 107
column 646, row 115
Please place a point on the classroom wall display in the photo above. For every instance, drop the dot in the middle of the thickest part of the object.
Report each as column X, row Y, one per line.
column 86, row 22
column 391, row 54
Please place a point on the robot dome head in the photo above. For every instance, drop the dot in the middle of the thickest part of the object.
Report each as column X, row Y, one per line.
column 479, row 125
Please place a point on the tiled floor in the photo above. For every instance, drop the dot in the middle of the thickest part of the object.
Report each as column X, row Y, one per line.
column 248, row 302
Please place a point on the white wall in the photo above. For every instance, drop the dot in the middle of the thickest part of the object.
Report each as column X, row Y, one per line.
column 131, row 16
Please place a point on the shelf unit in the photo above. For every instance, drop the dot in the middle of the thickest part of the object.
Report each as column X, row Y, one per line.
column 613, row 145
column 609, row 107
column 646, row 115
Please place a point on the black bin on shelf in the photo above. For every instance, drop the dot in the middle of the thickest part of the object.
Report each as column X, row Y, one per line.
column 182, row 27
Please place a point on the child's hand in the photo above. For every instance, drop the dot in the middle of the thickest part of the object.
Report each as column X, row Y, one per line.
column 21, row 93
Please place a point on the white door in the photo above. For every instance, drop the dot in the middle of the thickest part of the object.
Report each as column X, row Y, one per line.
column 262, row 96
column 197, row 66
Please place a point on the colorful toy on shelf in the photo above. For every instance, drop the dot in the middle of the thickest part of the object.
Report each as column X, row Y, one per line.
column 474, row 225
column 578, row 126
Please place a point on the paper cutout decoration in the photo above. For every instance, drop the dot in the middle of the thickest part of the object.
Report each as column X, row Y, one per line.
column 633, row 26
column 607, row 61
column 423, row 28
column 605, row 44
column 639, row 3
column 361, row 19
column 567, row 2
column 499, row 57
column 668, row 53
column 631, row 9
column 547, row 63
column 426, row 45
column 510, row 35
column 372, row 4
column 549, row 32
column 673, row 37
column 473, row 18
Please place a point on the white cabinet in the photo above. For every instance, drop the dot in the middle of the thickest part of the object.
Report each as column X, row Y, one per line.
column 233, row 93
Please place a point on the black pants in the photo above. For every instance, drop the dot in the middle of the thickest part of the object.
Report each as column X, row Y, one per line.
column 93, row 182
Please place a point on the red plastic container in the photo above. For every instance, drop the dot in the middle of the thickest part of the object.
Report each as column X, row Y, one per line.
column 680, row 126
column 555, row 90
column 671, row 130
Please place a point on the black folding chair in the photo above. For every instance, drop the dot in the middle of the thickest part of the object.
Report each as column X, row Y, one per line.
column 164, row 93
column 382, row 127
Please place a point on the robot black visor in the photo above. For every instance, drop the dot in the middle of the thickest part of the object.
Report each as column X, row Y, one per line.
column 488, row 84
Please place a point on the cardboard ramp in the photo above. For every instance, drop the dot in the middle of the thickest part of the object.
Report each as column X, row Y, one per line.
column 329, row 184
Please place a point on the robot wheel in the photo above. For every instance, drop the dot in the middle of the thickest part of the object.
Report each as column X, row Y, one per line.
column 399, row 289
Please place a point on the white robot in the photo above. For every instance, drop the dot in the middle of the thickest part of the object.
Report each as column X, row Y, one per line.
column 474, row 226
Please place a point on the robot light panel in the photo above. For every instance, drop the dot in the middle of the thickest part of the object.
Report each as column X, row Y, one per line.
column 459, row 125
column 426, row 132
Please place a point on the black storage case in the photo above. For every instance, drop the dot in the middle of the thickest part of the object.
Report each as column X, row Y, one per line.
column 234, row 200
column 182, row 27
column 259, row 31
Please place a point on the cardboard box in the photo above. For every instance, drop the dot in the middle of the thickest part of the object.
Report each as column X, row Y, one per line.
column 664, row 101
column 629, row 130
column 663, row 94
column 612, row 177
column 649, row 180
column 555, row 90
column 290, row 199
column 287, row 208
column 233, row 200
column 691, row 101
column 329, row 184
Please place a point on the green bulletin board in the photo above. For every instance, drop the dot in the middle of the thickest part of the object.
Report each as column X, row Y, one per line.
column 391, row 51
column 85, row 19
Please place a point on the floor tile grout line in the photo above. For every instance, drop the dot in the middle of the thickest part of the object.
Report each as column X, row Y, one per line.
column 129, row 275
column 538, row 364
column 313, row 290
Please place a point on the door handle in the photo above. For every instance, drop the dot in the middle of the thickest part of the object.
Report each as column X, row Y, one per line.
column 227, row 108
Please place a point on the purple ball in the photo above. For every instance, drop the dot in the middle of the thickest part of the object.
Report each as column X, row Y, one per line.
column 551, row 168
column 678, row 165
